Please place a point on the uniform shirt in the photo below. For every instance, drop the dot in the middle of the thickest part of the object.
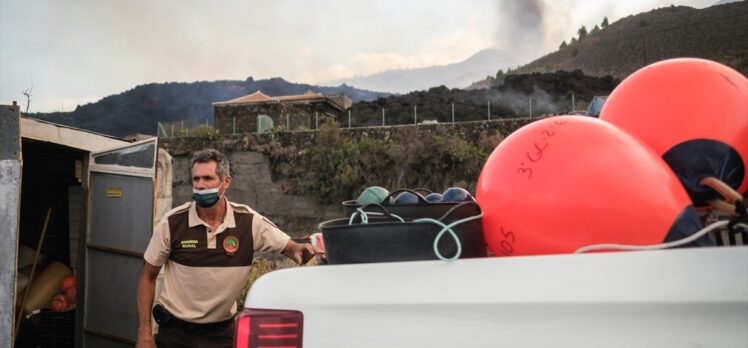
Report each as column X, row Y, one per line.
column 205, row 270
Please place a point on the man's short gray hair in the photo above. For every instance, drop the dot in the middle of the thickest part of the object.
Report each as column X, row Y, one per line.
column 223, row 167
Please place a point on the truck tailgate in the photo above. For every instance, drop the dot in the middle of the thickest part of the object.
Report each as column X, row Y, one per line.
column 669, row 298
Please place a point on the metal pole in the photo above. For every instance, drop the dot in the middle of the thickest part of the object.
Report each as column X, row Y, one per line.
column 160, row 126
column 288, row 123
column 382, row 116
column 349, row 118
column 233, row 119
column 182, row 128
column 316, row 120
column 573, row 104
column 415, row 114
column 530, row 107
column 453, row 113
column 172, row 130
column 489, row 110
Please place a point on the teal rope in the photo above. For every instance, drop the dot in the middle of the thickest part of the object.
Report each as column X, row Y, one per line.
column 448, row 228
column 365, row 216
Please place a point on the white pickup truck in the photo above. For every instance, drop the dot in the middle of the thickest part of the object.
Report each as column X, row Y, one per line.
column 692, row 297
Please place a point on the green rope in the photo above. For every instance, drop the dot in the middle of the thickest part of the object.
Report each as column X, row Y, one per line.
column 448, row 228
column 365, row 216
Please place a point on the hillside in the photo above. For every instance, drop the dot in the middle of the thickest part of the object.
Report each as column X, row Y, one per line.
column 718, row 33
column 551, row 93
column 139, row 110
column 457, row 75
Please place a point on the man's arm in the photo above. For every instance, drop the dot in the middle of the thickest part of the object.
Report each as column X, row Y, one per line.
column 146, row 293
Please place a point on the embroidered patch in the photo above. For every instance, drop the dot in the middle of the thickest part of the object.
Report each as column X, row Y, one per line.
column 189, row 244
column 231, row 244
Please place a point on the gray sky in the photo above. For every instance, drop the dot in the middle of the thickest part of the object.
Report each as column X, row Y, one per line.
column 75, row 52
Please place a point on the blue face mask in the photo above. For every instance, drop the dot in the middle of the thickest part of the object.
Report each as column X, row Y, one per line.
column 206, row 198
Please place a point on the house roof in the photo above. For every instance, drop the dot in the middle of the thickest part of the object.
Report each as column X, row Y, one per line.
column 259, row 98
column 256, row 97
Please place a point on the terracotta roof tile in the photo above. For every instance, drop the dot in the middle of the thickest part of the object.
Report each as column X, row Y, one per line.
column 259, row 97
column 256, row 97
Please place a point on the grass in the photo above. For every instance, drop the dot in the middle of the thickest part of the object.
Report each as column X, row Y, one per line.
column 260, row 267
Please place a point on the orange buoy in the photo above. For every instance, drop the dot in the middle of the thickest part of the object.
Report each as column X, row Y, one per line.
column 565, row 182
column 67, row 282
column 59, row 303
column 693, row 113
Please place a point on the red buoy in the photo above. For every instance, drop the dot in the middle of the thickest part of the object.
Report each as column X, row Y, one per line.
column 565, row 182
column 693, row 113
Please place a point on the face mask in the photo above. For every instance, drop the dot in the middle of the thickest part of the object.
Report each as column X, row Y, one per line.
column 206, row 198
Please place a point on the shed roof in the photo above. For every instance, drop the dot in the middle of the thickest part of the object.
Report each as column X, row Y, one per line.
column 68, row 136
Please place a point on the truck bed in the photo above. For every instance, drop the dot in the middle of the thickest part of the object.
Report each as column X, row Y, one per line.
column 669, row 298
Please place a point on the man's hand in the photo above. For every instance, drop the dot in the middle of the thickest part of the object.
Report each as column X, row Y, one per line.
column 300, row 252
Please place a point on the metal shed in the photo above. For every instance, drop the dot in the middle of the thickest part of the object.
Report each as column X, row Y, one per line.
column 104, row 194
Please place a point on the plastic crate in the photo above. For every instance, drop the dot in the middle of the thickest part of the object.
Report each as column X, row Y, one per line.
column 57, row 329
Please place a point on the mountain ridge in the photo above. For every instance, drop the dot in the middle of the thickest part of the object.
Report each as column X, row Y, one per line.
column 455, row 75
column 718, row 33
column 140, row 109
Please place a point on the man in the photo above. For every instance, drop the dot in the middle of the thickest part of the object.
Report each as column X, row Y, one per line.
column 206, row 249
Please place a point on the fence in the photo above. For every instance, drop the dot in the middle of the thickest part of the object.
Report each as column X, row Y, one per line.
column 456, row 112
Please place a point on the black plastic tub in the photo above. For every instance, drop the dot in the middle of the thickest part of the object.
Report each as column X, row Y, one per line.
column 386, row 239
column 422, row 209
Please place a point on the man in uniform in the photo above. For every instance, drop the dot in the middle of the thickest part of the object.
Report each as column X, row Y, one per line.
column 206, row 249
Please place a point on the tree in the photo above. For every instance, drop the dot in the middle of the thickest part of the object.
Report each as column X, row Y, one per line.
column 27, row 93
column 596, row 28
column 500, row 77
column 605, row 22
column 563, row 45
column 582, row 32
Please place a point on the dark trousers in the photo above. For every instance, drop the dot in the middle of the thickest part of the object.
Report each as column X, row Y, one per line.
column 172, row 336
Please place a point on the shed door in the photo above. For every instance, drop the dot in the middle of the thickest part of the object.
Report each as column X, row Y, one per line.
column 120, row 222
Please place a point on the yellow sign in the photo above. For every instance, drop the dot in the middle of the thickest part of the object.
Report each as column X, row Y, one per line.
column 114, row 192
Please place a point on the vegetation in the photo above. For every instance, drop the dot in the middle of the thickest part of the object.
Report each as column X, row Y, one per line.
column 605, row 22
column 582, row 32
column 258, row 268
column 336, row 167
column 500, row 75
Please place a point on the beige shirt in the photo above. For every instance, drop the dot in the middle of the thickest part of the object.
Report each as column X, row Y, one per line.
column 205, row 270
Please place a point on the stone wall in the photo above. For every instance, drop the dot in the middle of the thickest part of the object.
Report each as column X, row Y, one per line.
column 243, row 118
column 252, row 179
column 239, row 119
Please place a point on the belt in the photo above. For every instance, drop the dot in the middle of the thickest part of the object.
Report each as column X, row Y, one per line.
column 199, row 327
column 164, row 318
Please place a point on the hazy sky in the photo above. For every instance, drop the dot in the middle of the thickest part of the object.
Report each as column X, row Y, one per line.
column 78, row 51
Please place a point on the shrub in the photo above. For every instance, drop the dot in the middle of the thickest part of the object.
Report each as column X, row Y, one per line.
column 336, row 168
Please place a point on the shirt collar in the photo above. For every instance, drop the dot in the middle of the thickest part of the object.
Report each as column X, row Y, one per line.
column 195, row 220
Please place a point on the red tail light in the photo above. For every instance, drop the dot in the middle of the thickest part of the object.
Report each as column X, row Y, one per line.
column 269, row 328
